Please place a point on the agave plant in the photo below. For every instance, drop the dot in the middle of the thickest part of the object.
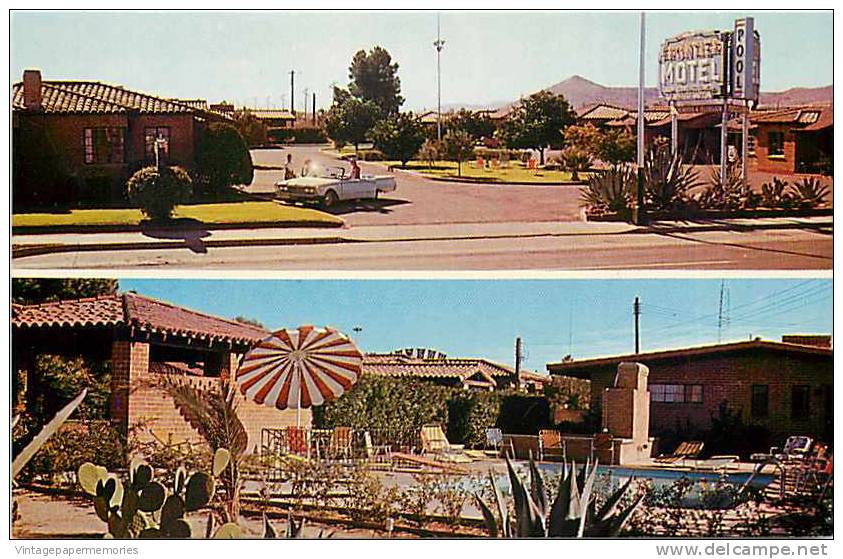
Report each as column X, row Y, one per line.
column 727, row 192
column 667, row 183
column 573, row 513
column 775, row 194
column 609, row 191
column 809, row 192
column 295, row 531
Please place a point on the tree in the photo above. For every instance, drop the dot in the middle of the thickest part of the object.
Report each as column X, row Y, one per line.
column 223, row 159
column 537, row 122
column 30, row 291
column 430, row 151
column 458, row 146
column 250, row 127
column 350, row 121
column 585, row 137
column 575, row 159
column 477, row 124
column 399, row 136
column 374, row 77
column 616, row 146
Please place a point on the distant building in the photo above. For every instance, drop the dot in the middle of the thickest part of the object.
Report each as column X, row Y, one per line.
column 786, row 388
column 274, row 118
column 75, row 141
column 467, row 373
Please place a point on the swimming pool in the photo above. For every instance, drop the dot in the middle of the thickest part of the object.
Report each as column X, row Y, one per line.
column 706, row 489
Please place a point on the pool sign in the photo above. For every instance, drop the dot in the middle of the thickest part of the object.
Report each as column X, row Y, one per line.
column 746, row 60
column 702, row 65
column 691, row 65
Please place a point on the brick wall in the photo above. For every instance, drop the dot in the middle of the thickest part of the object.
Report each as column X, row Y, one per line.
column 762, row 162
column 129, row 360
column 156, row 410
column 730, row 378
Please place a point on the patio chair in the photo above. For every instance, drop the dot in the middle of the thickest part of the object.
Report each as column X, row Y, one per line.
column 296, row 442
column 376, row 453
column 434, row 441
column 494, row 439
column 551, row 445
column 796, row 447
column 684, row 451
column 339, row 445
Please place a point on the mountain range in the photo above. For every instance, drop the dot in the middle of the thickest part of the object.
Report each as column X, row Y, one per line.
column 581, row 92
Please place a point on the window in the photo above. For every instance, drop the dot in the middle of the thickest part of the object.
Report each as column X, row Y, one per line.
column 694, row 393
column 760, row 401
column 775, row 144
column 800, row 401
column 104, row 145
column 149, row 137
column 751, row 140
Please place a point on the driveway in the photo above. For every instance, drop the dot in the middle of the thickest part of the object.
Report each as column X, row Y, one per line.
column 419, row 200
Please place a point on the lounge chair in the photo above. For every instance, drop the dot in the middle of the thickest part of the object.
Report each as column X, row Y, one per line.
column 494, row 439
column 796, row 447
column 297, row 442
column 685, row 450
column 551, row 445
column 434, row 441
column 378, row 454
column 339, row 445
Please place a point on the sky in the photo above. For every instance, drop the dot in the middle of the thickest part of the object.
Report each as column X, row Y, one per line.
column 482, row 318
column 488, row 58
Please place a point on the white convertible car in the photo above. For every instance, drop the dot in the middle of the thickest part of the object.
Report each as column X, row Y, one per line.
column 333, row 187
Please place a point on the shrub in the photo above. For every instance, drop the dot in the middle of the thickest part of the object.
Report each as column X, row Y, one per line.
column 609, row 191
column 727, row 193
column 61, row 379
column 429, row 152
column 775, row 194
column 809, row 192
column 74, row 444
column 158, row 193
column 469, row 414
column 223, row 159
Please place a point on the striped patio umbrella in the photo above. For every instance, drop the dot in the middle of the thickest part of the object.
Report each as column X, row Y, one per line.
column 295, row 369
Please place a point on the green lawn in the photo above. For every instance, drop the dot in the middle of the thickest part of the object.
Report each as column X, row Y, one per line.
column 514, row 172
column 210, row 214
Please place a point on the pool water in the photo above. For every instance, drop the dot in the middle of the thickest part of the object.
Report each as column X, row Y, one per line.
column 700, row 494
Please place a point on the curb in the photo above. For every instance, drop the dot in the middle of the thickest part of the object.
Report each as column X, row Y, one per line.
column 81, row 230
column 22, row 251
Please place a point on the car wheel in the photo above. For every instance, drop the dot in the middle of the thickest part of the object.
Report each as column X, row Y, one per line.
column 330, row 200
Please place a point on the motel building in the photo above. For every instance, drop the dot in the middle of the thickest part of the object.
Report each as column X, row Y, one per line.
column 778, row 388
column 77, row 141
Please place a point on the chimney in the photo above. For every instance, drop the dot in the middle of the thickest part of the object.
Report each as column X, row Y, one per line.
column 32, row 90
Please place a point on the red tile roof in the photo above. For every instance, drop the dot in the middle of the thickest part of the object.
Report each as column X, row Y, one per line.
column 76, row 97
column 568, row 367
column 405, row 366
column 138, row 311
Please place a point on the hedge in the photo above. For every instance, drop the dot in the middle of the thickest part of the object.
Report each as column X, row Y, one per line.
column 399, row 408
column 297, row 135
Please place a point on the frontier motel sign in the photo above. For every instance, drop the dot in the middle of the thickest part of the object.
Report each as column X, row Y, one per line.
column 691, row 65
column 703, row 65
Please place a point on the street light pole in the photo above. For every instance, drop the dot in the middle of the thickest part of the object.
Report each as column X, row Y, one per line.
column 639, row 217
column 439, row 44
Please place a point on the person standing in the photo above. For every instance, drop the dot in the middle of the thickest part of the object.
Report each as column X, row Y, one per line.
column 288, row 168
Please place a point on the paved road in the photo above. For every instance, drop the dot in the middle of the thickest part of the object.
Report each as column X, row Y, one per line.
column 419, row 200
column 791, row 249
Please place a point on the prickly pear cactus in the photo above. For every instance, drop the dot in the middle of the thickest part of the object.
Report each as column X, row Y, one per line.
column 143, row 507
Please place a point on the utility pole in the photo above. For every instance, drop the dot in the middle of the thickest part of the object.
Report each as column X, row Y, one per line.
column 313, row 115
column 640, row 218
column 293, row 92
column 306, row 91
column 439, row 44
column 518, row 359
column 636, row 311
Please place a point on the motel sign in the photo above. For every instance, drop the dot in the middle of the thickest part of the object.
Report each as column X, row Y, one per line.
column 691, row 65
column 702, row 65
